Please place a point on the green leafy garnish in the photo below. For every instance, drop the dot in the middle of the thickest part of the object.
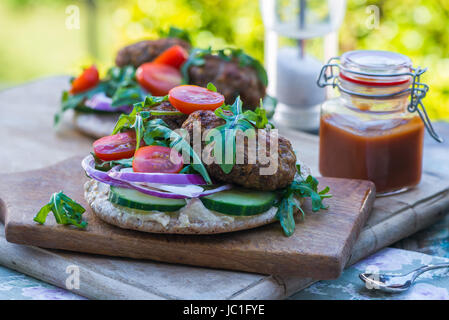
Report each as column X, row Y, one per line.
column 196, row 58
column 157, row 132
column 289, row 200
column 65, row 210
column 236, row 120
column 174, row 32
column 69, row 101
column 211, row 87
column 108, row 165
column 120, row 85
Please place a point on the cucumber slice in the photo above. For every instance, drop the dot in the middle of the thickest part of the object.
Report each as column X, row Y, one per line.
column 240, row 202
column 136, row 200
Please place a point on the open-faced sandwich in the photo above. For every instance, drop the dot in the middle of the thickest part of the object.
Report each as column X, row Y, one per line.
column 189, row 163
column 154, row 67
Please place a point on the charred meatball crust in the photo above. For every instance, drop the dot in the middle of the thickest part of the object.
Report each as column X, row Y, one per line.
column 146, row 51
column 174, row 122
column 248, row 175
column 205, row 118
column 230, row 79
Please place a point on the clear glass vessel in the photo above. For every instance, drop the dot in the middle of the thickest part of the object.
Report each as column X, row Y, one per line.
column 371, row 130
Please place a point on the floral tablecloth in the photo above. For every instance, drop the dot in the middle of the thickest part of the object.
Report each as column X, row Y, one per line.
column 433, row 285
column 14, row 286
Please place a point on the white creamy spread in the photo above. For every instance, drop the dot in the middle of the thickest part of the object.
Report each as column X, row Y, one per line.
column 96, row 194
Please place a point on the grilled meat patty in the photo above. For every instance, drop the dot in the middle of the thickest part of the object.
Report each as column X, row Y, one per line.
column 247, row 174
column 230, row 79
column 174, row 122
column 205, row 119
column 146, row 51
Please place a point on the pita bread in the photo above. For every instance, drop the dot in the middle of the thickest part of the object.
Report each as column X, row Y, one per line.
column 95, row 125
column 194, row 218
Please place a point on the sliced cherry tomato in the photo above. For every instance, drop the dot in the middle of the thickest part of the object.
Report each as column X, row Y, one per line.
column 158, row 78
column 116, row 147
column 174, row 56
column 157, row 159
column 86, row 80
column 189, row 98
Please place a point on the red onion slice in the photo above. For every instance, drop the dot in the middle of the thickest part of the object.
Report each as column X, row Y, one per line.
column 101, row 102
column 163, row 178
column 88, row 165
column 215, row 190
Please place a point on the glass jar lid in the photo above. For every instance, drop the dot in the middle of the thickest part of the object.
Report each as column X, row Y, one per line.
column 375, row 68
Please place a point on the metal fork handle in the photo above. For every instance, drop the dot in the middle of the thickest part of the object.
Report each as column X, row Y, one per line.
column 429, row 267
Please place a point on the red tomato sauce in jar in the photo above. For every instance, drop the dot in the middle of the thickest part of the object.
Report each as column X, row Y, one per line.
column 387, row 152
column 374, row 129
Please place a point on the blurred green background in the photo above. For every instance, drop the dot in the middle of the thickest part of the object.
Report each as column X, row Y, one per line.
column 35, row 41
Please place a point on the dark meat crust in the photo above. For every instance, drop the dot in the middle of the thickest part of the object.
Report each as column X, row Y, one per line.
column 205, row 118
column 146, row 51
column 230, row 79
column 174, row 122
column 248, row 175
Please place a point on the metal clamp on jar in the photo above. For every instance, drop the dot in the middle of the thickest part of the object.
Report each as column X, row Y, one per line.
column 374, row 130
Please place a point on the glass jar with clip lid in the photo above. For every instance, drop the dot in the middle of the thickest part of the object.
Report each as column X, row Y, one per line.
column 374, row 129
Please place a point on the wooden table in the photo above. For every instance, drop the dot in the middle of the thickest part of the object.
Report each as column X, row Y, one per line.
column 26, row 114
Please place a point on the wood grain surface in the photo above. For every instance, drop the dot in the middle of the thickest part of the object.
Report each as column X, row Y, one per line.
column 319, row 248
column 29, row 131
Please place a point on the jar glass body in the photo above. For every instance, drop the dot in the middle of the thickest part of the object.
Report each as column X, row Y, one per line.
column 372, row 139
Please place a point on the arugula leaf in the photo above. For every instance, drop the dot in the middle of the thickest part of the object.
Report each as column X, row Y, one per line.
column 157, row 132
column 174, row 32
column 120, row 85
column 236, row 120
column 126, row 121
column 289, row 200
column 65, row 210
column 69, row 101
column 157, row 128
column 123, row 87
column 108, row 165
column 257, row 117
column 211, row 87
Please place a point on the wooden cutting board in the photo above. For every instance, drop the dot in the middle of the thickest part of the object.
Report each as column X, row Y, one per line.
column 319, row 248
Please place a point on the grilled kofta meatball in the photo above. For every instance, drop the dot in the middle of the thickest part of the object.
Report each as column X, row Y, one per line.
column 247, row 174
column 230, row 79
column 146, row 51
column 205, row 120
column 174, row 122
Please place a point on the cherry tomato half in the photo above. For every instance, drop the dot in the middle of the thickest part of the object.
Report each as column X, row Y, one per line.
column 157, row 78
column 157, row 159
column 174, row 56
column 86, row 80
column 189, row 98
column 116, row 147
